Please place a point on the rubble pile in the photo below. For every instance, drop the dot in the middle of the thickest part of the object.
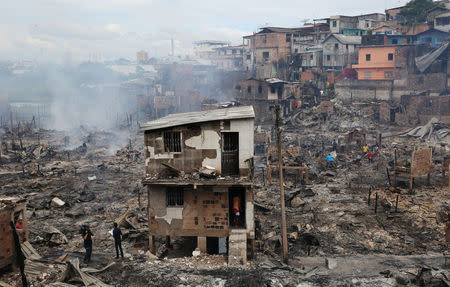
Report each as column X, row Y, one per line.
column 348, row 214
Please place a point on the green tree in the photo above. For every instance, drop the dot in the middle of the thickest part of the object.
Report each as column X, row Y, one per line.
column 415, row 11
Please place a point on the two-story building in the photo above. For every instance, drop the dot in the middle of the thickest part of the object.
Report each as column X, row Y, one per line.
column 199, row 179
column 229, row 58
column 339, row 51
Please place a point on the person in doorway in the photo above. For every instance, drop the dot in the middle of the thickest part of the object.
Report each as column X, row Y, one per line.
column 236, row 210
column 117, row 234
column 87, row 237
column 19, row 224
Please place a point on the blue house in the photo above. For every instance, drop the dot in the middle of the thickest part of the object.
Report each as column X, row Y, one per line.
column 401, row 39
column 433, row 37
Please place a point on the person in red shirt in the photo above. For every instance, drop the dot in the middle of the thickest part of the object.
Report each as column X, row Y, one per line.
column 19, row 224
column 370, row 156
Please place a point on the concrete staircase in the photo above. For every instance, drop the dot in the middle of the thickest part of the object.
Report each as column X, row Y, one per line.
column 237, row 247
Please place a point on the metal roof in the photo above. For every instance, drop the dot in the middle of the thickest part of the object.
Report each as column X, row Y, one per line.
column 344, row 39
column 173, row 120
column 425, row 61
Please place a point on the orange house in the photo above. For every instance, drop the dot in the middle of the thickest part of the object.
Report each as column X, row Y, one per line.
column 376, row 63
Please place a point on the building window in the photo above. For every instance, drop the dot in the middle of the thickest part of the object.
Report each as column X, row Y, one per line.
column 388, row 75
column 336, row 46
column 311, row 57
column 288, row 37
column 172, row 141
column 249, row 89
column 175, row 196
column 394, row 41
column 346, row 46
column 367, row 57
column 328, row 58
column 367, row 75
column 233, row 52
column 266, row 55
column 390, row 57
column 296, row 50
column 428, row 40
column 272, row 89
column 334, row 23
column 259, row 89
column 264, row 38
column 249, row 57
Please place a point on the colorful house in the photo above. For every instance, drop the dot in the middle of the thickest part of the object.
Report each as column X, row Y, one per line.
column 376, row 62
column 434, row 37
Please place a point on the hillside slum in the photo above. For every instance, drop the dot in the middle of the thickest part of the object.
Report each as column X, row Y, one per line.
column 350, row 222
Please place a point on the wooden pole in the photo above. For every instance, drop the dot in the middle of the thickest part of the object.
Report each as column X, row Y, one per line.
column 395, row 168
column 280, row 163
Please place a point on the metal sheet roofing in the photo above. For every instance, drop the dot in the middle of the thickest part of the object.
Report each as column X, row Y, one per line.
column 425, row 61
column 174, row 120
column 344, row 39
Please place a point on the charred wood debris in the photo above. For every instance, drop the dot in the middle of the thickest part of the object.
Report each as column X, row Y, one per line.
column 348, row 223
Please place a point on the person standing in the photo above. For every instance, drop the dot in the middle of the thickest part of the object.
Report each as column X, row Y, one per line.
column 117, row 234
column 87, row 237
column 236, row 210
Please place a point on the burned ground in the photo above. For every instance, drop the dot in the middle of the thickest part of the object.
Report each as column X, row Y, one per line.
column 335, row 236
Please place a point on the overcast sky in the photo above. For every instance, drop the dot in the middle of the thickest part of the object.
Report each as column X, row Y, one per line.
column 53, row 29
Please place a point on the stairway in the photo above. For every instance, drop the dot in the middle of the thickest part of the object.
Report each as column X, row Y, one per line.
column 237, row 247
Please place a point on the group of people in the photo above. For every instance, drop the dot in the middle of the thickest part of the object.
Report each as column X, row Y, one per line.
column 366, row 151
column 87, row 235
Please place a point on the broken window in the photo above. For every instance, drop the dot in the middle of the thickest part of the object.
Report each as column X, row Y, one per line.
column 249, row 89
column 390, row 56
column 368, row 57
column 388, row 75
column 259, row 89
column 172, row 141
column 230, row 153
column 266, row 55
column 175, row 196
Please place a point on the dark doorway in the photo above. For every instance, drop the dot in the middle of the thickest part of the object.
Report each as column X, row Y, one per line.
column 237, row 207
column 230, row 154
column 392, row 116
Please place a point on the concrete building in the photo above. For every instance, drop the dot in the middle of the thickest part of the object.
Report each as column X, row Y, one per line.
column 199, row 170
column 355, row 25
column 339, row 51
column 270, row 51
column 141, row 57
column 376, row 62
column 261, row 94
column 416, row 69
column 205, row 49
column 229, row 58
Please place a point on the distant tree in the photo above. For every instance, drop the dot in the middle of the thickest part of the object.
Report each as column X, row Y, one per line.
column 415, row 11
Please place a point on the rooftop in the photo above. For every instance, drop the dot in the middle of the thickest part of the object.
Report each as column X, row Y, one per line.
column 173, row 120
column 344, row 39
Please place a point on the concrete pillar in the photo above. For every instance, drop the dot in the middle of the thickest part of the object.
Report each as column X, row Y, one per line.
column 201, row 244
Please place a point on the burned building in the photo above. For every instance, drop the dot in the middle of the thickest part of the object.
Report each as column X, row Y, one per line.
column 199, row 178
column 261, row 94
column 12, row 210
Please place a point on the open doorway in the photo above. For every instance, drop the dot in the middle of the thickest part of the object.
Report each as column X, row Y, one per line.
column 237, row 207
column 230, row 154
column 216, row 245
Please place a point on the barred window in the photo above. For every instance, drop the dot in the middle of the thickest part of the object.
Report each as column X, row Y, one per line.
column 175, row 196
column 172, row 141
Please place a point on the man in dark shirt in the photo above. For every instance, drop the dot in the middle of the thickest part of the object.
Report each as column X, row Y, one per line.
column 117, row 234
column 87, row 237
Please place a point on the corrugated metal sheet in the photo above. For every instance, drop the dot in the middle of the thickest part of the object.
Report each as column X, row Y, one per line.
column 423, row 62
column 174, row 120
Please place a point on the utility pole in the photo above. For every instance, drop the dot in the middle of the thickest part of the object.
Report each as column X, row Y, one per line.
column 280, row 167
